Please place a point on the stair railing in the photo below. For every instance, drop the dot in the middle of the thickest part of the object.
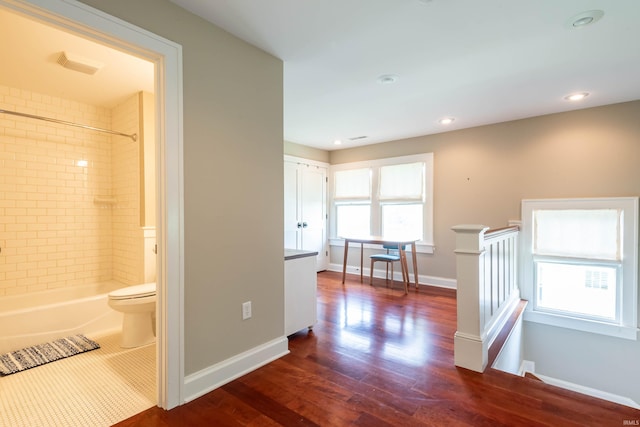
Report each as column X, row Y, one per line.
column 487, row 289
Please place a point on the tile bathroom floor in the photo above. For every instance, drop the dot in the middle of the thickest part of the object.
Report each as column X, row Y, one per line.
column 97, row 388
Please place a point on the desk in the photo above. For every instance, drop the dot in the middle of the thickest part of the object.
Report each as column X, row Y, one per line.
column 378, row 240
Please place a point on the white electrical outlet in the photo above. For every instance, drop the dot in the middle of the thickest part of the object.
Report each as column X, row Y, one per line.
column 246, row 310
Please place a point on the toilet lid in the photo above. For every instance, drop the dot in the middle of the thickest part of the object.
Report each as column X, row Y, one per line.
column 137, row 291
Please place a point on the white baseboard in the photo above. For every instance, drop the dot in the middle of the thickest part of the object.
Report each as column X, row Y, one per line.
column 208, row 379
column 528, row 366
column 440, row 282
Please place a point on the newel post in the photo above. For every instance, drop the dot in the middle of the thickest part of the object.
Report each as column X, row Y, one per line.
column 470, row 346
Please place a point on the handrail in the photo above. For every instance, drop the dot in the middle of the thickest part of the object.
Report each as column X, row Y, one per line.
column 499, row 232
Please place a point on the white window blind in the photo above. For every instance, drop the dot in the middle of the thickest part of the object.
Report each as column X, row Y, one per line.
column 354, row 184
column 585, row 233
column 402, row 182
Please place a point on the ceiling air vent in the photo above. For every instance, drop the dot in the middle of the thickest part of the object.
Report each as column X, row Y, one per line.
column 355, row 138
column 78, row 63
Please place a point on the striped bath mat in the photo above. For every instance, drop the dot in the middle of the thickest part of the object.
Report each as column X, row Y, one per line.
column 30, row 357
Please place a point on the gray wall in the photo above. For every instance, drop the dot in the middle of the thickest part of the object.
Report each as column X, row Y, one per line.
column 233, row 178
column 305, row 152
column 481, row 174
column 597, row 361
column 233, row 168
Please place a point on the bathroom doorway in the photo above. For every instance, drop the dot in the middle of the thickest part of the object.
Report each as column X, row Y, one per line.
column 125, row 38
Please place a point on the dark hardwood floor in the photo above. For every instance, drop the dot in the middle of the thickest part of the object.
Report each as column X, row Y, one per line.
column 378, row 357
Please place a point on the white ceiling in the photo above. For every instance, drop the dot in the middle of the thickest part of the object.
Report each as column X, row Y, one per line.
column 480, row 62
column 30, row 50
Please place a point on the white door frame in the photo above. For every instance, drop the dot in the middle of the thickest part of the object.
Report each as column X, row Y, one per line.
column 167, row 56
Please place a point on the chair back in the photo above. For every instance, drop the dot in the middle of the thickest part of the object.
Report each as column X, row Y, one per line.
column 392, row 247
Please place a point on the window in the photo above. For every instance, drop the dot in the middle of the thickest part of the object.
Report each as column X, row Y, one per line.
column 353, row 210
column 390, row 197
column 580, row 263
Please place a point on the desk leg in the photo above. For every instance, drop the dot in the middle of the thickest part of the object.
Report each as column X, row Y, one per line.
column 344, row 264
column 361, row 256
column 405, row 270
column 415, row 263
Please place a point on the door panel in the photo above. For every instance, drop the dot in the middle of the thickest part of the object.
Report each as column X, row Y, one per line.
column 313, row 215
column 291, row 214
column 305, row 219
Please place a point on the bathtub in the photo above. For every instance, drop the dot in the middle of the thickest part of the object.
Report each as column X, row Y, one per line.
column 36, row 318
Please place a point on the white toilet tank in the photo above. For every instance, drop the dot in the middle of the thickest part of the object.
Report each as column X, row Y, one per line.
column 149, row 254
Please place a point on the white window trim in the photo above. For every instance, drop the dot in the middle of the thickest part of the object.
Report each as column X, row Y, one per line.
column 423, row 246
column 628, row 326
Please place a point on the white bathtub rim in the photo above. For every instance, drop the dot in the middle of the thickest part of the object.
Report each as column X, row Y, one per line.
column 60, row 296
column 28, row 326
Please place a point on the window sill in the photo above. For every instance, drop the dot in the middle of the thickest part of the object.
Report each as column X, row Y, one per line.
column 625, row 332
column 421, row 247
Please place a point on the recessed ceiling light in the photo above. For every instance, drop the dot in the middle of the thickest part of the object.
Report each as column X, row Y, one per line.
column 386, row 79
column 583, row 19
column 337, row 142
column 577, row 96
column 446, row 121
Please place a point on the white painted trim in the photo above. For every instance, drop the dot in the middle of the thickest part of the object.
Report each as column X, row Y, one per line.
column 212, row 377
column 93, row 24
column 471, row 352
column 585, row 325
column 302, row 160
column 423, row 280
column 527, row 366
column 498, row 320
column 621, row 400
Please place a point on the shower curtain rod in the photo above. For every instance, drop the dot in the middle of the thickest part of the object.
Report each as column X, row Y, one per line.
column 134, row 136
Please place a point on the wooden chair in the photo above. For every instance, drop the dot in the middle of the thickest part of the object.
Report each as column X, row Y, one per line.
column 392, row 255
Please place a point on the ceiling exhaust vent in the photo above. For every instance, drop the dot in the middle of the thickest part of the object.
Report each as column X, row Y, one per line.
column 78, row 63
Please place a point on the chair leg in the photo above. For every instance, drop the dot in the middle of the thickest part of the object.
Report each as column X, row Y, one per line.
column 391, row 273
column 405, row 276
column 386, row 274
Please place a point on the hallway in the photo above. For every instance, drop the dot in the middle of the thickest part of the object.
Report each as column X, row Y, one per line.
column 379, row 358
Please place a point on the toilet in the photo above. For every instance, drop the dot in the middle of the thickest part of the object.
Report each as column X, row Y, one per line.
column 138, row 304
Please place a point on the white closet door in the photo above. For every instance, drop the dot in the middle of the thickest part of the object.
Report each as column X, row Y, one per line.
column 292, row 238
column 313, row 212
column 305, row 211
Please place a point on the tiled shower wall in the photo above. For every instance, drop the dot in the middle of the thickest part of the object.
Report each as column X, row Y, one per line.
column 57, row 212
column 127, row 232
